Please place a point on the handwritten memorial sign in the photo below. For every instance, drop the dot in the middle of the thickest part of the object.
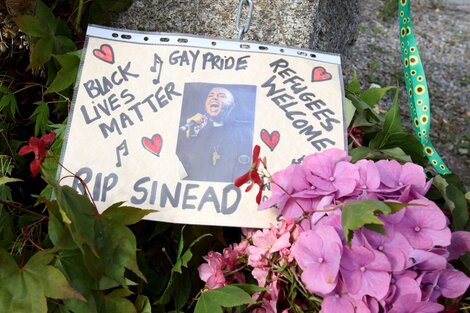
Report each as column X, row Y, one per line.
column 167, row 122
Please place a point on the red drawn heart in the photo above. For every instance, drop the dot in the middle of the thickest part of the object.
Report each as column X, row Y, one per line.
column 320, row 74
column 104, row 53
column 153, row 145
column 270, row 139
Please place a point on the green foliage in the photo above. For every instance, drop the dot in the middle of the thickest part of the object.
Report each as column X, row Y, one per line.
column 50, row 35
column 384, row 135
column 66, row 76
column 364, row 213
column 41, row 117
column 175, row 281
column 8, row 104
column 24, row 288
column 212, row 301
column 453, row 193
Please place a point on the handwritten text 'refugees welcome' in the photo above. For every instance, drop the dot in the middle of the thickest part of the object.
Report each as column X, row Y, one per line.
column 104, row 102
column 289, row 92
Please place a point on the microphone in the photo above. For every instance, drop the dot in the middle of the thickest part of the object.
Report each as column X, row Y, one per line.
column 187, row 126
column 198, row 120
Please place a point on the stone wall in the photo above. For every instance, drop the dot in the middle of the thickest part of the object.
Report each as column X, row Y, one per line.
column 326, row 25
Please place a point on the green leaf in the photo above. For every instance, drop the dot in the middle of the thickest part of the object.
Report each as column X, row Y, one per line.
column 78, row 215
column 372, row 96
column 229, row 296
column 360, row 153
column 364, row 213
column 460, row 211
column 408, row 143
column 28, row 286
column 392, row 122
column 467, row 196
column 63, row 45
column 206, row 304
column 142, row 304
column 396, row 154
column 5, row 180
column 354, row 86
column 124, row 215
column 116, row 247
column 41, row 52
column 250, row 288
column 455, row 202
column 8, row 102
column 114, row 303
column 182, row 259
column 41, row 117
column 67, row 75
column 350, row 109
column 32, row 26
column 46, row 16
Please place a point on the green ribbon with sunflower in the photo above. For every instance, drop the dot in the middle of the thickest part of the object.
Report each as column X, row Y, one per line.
column 416, row 85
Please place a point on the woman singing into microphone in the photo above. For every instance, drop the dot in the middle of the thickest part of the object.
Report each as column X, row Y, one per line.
column 215, row 144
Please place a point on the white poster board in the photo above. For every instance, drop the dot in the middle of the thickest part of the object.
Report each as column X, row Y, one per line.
column 168, row 121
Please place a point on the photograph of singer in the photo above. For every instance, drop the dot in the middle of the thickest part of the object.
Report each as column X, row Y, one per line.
column 215, row 135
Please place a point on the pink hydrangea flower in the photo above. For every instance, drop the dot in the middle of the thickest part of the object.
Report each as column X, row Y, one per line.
column 394, row 245
column 341, row 301
column 331, row 171
column 424, row 225
column 408, row 181
column 365, row 272
column 449, row 283
column 411, row 303
column 318, row 253
column 288, row 193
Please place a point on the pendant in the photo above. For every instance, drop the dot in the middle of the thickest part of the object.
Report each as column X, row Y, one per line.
column 215, row 157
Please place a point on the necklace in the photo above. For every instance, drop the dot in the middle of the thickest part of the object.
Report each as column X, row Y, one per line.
column 215, row 156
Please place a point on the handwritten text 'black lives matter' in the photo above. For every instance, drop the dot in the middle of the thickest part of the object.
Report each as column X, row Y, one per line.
column 115, row 111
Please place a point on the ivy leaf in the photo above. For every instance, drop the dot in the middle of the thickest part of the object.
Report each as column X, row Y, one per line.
column 228, row 296
column 467, row 196
column 29, row 285
column 364, row 213
column 41, row 117
column 67, row 74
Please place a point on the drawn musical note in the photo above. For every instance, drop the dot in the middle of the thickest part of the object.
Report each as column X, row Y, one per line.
column 121, row 147
column 156, row 68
